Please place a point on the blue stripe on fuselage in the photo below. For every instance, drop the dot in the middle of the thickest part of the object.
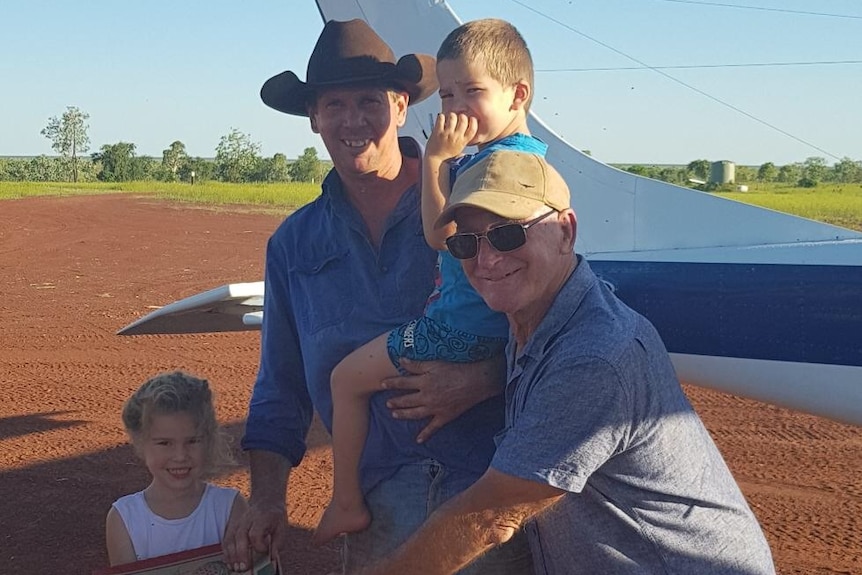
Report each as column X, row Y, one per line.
column 801, row 313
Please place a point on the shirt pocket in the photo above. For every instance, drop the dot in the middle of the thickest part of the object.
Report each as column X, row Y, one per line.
column 414, row 278
column 324, row 294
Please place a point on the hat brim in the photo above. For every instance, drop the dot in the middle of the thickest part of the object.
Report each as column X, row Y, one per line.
column 414, row 73
column 286, row 93
column 505, row 205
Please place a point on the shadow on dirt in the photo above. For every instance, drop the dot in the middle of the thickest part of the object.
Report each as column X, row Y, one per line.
column 20, row 425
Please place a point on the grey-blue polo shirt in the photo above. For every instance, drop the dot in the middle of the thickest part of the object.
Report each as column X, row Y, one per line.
column 593, row 407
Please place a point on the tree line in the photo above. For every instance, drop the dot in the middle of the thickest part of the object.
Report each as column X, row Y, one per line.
column 808, row 174
column 237, row 159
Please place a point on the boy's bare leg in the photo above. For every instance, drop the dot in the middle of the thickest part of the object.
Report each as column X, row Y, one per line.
column 354, row 380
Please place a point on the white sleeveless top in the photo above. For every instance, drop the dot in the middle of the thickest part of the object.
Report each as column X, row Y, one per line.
column 154, row 536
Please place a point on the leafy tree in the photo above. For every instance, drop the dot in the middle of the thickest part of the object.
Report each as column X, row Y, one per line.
column 146, row 168
column 45, row 169
column 307, row 168
column 68, row 135
column 202, row 169
column 173, row 159
column 274, row 169
column 699, row 169
column 237, row 157
column 119, row 163
column 806, row 182
column 846, row 171
column 672, row 175
column 789, row 173
column 814, row 169
column 88, row 171
column 744, row 174
column 13, row 170
column 645, row 171
column 767, row 172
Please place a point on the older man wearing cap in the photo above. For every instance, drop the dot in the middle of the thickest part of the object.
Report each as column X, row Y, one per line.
column 603, row 459
column 340, row 271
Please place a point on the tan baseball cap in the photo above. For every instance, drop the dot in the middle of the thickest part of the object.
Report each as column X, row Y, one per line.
column 511, row 184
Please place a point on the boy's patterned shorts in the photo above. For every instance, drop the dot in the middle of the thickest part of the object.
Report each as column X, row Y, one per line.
column 424, row 339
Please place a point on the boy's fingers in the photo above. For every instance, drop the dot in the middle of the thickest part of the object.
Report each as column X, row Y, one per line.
column 406, row 382
column 472, row 128
column 413, row 366
column 467, row 126
column 418, row 412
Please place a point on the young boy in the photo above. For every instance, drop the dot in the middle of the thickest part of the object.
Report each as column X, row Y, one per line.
column 485, row 73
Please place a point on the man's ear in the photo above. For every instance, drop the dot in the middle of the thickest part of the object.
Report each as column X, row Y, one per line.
column 570, row 230
column 313, row 121
column 402, row 100
column 523, row 91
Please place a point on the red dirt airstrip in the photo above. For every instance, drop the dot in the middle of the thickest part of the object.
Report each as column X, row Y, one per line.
column 74, row 270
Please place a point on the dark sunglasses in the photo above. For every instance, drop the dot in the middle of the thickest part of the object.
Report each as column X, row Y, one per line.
column 503, row 238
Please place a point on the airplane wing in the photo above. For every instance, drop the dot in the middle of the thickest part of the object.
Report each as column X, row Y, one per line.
column 231, row 307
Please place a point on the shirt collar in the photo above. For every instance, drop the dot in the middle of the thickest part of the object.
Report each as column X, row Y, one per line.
column 332, row 190
column 564, row 306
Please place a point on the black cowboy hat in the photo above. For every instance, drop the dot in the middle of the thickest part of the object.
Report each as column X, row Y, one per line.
column 350, row 53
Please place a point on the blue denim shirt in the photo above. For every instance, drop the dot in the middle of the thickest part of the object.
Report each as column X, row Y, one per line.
column 328, row 291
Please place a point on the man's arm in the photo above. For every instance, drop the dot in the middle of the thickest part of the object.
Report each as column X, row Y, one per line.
column 278, row 419
column 261, row 527
column 443, row 391
column 487, row 514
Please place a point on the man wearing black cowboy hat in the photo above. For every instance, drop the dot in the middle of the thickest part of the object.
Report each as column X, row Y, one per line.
column 343, row 269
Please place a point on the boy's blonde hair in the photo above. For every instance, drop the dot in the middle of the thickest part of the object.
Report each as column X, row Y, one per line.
column 495, row 43
column 178, row 392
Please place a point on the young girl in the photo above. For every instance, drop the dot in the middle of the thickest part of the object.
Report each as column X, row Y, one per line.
column 172, row 424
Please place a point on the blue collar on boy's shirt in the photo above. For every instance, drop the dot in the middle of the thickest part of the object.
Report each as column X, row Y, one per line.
column 518, row 142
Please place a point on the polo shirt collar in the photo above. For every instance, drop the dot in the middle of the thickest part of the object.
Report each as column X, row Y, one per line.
column 564, row 306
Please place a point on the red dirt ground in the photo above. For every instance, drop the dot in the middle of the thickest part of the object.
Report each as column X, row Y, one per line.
column 74, row 270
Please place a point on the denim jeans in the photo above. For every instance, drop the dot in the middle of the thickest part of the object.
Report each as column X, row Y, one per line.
column 400, row 504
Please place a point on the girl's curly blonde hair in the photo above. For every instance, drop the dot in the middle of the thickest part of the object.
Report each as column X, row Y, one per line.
column 178, row 392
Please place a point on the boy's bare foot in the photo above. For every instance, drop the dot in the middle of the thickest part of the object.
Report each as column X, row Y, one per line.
column 340, row 520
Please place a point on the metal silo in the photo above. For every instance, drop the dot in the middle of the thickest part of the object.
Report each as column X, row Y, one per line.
column 722, row 172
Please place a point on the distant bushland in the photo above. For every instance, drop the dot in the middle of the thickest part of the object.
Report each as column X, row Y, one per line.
column 237, row 160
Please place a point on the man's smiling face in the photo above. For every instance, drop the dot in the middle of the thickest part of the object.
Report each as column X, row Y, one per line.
column 359, row 127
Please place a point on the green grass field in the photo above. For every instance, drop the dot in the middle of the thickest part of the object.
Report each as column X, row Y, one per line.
column 839, row 204
column 279, row 198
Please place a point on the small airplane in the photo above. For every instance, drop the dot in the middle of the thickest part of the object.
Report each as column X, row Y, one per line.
column 748, row 301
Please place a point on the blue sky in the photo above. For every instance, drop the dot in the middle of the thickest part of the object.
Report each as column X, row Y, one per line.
column 158, row 71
